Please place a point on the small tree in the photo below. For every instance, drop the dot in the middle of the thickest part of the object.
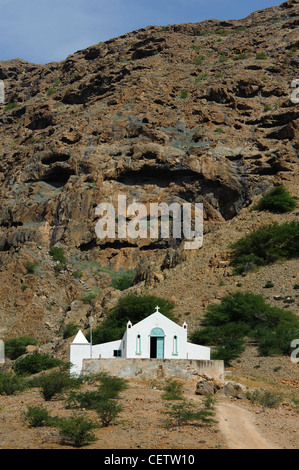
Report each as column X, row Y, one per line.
column 77, row 430
column 55, row 383
column 108, row 410
column 37, row 416
column 10, row 383
column 34, row 363
column 15, row 347
column 184, row 412
column 278, row 200
column 173, row 390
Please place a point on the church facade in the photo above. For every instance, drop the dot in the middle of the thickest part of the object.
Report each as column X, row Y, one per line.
column 154, row 337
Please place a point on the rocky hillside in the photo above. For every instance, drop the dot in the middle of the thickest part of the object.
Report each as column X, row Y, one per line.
column 189, row 113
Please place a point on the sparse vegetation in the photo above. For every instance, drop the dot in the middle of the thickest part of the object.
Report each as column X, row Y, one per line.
column 266, row 245
column 55, row 383
column 10, row 106
column 183, row 412
column 277, row 200
column 37, row 416
column 10, row 383
column 173, row 390
column 265, row 398
column 69, row 330
column 58, row 254
column 31, row 266
column 261, row 56
column 244, row 315
column 16, row 347
column 77, row 430
column 34, row 363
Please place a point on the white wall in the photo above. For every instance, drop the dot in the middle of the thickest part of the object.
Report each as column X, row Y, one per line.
column 144, row 327
column 195, row 351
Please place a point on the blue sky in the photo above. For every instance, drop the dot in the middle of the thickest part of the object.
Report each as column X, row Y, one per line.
column 42, row 31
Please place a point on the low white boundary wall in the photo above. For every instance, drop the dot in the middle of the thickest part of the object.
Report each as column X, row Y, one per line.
column 156, row 368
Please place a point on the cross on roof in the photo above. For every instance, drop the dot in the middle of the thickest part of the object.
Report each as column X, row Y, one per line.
column 157, row 310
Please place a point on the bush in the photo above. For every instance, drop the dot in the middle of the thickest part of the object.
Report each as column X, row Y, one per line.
column 10, row 383
column 84, row 400
column 37, row 416
column 69, row 330
column 123, row 281
column 77, row 430
column 10, row 106
column 108, row 410
column 58, row 254
column 277, row 200
column 173, row 390
column 184, row 412
column 55, row 383
column 16, row 347
column 31, row 267
column 261, row 56
column 266, row 245
column 34, row 363
column 241, row 315
column 266, row 399
column 110, row 386
column 131, row 307
column 268, row 285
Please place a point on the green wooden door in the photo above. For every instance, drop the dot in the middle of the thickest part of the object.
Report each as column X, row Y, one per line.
column 160, row 347
column 157, row 343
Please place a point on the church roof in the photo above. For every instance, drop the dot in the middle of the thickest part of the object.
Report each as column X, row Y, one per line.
column 80, row 338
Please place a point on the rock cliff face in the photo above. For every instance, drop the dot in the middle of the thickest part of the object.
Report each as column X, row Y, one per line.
column 184, row 113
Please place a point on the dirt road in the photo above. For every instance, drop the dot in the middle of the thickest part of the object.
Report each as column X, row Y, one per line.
column 238, row 429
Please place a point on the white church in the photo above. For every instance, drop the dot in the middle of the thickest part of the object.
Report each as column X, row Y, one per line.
column 154, row 337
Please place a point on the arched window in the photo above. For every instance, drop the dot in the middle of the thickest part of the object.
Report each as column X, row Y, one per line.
column 175, row 345
column 138, row 344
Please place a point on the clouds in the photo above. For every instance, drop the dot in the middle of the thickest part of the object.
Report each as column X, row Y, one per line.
column 43, row 31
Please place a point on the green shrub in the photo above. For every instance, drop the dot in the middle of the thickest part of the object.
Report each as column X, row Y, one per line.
column 123, row 281
column 88, row 400
column 57, row 254
column 268, row 285
column 240, row 56
column 51, row 91
column 110, row 386
column 120, row 280
column 265, row 398
column 199, row 60
column 16, row 347
column 77, row 274
column 89, row 297
column 266, row 245
column 77, row 430
column 173, row 390
column 261, row 56
column 30, row 266
column 10, row 383
column 69, row 330
column 10, row 106
column 37, row 416
column 34, row 363
column 183, row 412
column 55, row 383
column 277, row 200
column 130, row 307
column 244, row 315
column 108, row 410
column 184, row 94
